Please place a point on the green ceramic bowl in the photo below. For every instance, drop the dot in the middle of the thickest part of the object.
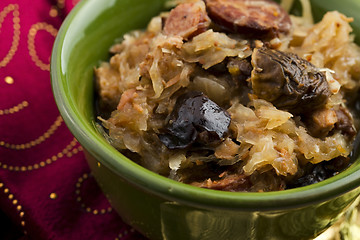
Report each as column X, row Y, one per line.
column 154, row 205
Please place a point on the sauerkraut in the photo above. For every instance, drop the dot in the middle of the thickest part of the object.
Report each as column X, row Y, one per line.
column 213, row 96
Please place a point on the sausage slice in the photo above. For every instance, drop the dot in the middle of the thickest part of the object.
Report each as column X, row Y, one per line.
column 187, row 20
column 254, row 18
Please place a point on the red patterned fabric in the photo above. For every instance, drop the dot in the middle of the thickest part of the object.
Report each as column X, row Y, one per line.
column 46, row 188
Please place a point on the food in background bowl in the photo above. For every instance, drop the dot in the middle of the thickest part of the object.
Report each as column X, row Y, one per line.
column 234, row 95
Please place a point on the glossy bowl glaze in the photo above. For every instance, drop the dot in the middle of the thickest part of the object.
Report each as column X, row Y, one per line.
column 154, row 205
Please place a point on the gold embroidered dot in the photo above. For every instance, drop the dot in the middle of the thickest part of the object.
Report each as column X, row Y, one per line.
column 29, row 167
column 48, row 161
column 54, row 158
column 53, row 196
column 53, row 12
column 15, row 202
column 36, row 166
column 103, row 211
column 78, row 199
column 78, row 185
column 1, row 112
column 11, row 196
column 60, row 155
column 32, row 32
column 22, row 223
column 11, row 168
column 4, row 166
column 9, row 80
column 88, row 209
column 19, row 207
column 77, row 192
column 95, row 212
column 16, row 168
column 109, row 209
column 85, row 175
column 98, row 164
column 42, row 164
column 22, row 214
column 1, row 185
column 69, row 155
column 23, row 168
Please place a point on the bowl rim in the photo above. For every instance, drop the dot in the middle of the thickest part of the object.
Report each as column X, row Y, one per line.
column 169, row 189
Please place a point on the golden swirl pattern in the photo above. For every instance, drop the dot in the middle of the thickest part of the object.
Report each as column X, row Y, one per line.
column 68, row 151
column 14, row 109
column 79, row 199
column 14, row 202
column 31, row 43
column 124, row 233
column 37, row 141
column 14, row 8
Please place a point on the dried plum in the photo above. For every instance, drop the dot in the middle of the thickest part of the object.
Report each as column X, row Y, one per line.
column 195, row 118
column 320, row 172
column 288, row 81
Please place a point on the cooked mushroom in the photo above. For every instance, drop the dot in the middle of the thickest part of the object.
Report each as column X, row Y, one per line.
column 195, row 118
column 288, row 81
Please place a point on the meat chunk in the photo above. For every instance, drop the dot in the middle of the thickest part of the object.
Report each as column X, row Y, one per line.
column 288, row 81
column 228, row 182
column 253, row 18
column 195, row 118
column 321, row 122
column 187, row 20
column 345, row 122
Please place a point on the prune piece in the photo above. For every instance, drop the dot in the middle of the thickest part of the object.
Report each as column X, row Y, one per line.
column 320, row 172
column 195, row 118
column 187, row 20
column 288, row 81
column 256, row 18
